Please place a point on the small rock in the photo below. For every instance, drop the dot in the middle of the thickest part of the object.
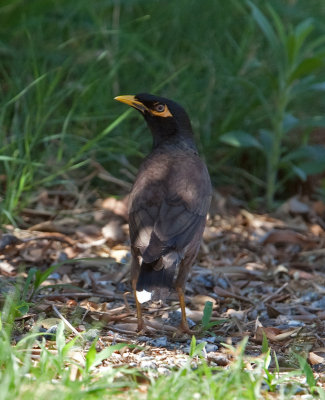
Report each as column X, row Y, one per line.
column 55, row 276
column 52, row 330
column 319, row 303
column 144, row 357
column 223, row 283
column 159, row 342
column 301, row 390
column 203, row 280
column 163, row 370
column 320, row 368
column 148, row 364
column 266, row 387
column 175, row 317
column 91, row 334
column 293, row 323
column 309, row 297
column 62, row 257
column 143, row 339
column 186, row 349
column 218, row 359
column 210, row 339
column 211, row 348
column 50, row 333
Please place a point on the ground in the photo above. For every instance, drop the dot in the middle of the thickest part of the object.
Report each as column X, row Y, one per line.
column 257, row 275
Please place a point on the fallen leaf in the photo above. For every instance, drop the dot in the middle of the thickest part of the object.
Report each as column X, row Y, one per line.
column 274, row 334
column 199, row 301
column 118, row 207
column 288, row 236
column 319, row 207
column 6, row 268
column 313, row 358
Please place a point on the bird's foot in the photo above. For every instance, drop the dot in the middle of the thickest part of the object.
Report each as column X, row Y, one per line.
column 184, row 328
column 142, row 328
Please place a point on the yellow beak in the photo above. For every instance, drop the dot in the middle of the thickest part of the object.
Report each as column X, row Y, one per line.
column 130, row 100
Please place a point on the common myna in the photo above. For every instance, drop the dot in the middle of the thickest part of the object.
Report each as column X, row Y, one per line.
column 168, row 204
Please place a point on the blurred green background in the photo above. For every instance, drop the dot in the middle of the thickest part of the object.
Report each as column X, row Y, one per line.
column 250, row 74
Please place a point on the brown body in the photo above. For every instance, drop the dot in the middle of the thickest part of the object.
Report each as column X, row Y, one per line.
column 168, row 206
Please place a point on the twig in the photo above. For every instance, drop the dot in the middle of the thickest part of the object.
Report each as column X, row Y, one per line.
column 271, row 296
column 226, row 293
column 67, row 323
column 106, row 176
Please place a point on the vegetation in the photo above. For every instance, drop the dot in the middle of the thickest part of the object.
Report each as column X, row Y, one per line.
column 250, row 76
column 68, row 369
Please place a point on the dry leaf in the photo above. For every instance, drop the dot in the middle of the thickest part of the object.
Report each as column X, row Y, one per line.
column 274, row 334
column 313, row 358
column 288, row 236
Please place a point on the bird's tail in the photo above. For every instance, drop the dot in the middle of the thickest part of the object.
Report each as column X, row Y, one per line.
column 154, row 284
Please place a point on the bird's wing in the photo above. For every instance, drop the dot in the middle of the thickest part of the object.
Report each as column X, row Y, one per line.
column 165, row 214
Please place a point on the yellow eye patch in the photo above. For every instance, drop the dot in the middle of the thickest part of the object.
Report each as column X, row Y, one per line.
column 166, row 113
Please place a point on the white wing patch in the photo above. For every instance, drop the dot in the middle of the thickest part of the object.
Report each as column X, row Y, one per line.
column 143, row 296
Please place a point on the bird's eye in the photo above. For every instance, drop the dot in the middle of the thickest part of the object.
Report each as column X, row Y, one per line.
column 159, row 107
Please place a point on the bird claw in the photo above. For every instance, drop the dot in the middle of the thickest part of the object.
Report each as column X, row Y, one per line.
column 142, row 328
column 185, row 329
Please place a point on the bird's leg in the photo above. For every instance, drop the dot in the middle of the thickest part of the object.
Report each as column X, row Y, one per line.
column 138, row 305
column 184, row 325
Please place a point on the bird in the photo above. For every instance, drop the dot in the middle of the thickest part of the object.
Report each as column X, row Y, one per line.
column 168, row 205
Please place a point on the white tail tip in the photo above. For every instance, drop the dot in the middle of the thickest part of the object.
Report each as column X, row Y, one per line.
column 143, row 296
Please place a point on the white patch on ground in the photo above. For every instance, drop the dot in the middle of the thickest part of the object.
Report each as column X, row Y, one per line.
column 143, row 296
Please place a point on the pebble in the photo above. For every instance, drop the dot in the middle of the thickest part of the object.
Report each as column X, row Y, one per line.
column 51, row 332
column 159, row 342
column 132, row 364
column 294, row 323
column 175, row 317
column 210, row 339
column 203, row 280
column 92, row 334
column 211, row 348
column 218, row 359
column 62, row 257
column 163, row 370
column 223, row 283
column 186, row 349
column 319, row 303
column 309, row 297
column 148, row 364
column 143, row 339
column 207, row 348
column 55, row 276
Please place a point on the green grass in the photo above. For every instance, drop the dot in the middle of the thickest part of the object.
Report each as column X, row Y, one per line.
column 68, row 369
column 62, row 63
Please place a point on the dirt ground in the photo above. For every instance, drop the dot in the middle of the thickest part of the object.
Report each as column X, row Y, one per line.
column 263, row 274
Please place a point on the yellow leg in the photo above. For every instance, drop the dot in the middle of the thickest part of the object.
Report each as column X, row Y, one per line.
column 138, row 305
column 184, row 325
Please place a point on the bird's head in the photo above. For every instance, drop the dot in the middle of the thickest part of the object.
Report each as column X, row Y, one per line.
column 166, row 119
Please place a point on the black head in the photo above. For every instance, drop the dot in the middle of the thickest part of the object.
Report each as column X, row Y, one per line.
column 166, row 119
